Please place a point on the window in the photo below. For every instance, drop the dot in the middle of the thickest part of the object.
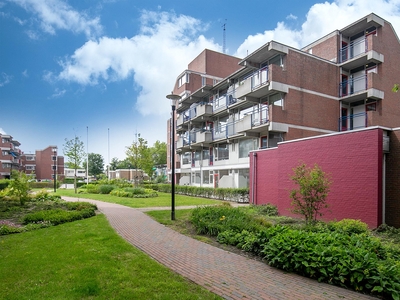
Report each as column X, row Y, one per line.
column 183, row 79
column 206, row 176
column 245, row 146
column 264, row 142
column 276, row 99
column 221, row 152
column 206, row 153
column 30, row 158
column 370, row 107
column 186, row 157
column 30, row 168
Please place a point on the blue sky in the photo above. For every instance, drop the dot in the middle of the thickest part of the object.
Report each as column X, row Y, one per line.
column 101, row 69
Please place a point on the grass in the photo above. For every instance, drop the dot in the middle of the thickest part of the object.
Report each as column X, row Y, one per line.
column 163, row 199
column 85, row 260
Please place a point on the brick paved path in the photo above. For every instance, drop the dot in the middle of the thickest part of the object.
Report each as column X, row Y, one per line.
column 229, row 275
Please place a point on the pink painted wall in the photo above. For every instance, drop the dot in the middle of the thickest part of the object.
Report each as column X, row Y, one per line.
column 353, row 159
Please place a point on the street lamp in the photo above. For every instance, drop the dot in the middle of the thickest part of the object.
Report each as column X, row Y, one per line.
column 174, row 98
column 55, row 168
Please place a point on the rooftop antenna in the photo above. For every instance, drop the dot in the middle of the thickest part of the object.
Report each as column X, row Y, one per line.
column 224, row 38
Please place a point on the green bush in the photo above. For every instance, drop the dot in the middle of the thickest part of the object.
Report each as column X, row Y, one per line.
column 4, row 183
column 349, row 226
column 213, row 220
column 266, row 209
column 44, row 185
column 80, row 206
column 357, row 261
column 105, row 188
column 57, row 216
column 43, row 195
column 134, row 192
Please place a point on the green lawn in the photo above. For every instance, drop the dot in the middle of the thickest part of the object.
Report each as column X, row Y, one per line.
column 85, row 260
column 163, row 199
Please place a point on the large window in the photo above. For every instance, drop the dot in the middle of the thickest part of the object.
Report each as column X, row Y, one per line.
column 245, row 146
column 183, row 79
column 186, row 158
column 221, row 152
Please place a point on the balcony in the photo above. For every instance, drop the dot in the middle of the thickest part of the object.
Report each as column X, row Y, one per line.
column 259, row 84
column 359, row 53
column 352, row 122
column 198, row 112
column 255, row 122
column 359, row 88
column 203, row 138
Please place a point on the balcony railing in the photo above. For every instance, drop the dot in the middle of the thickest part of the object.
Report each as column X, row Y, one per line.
column 352, row 122
column 353, row 49
column 223, row 101
column 259, row 78
column 353, row 85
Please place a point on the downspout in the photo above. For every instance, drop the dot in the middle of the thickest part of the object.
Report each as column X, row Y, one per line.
column 384, row 189
column 254, row 177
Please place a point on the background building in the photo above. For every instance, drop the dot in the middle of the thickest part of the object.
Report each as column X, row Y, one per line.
column 9, row 155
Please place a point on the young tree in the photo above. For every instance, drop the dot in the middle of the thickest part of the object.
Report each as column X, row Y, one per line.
column 139, row 155
column 96, row 164
column 159, row 153
column 74, row 150
column 313, row 188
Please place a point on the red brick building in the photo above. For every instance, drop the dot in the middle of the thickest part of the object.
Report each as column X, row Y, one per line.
column 43, row 163
column 9, row 155
column 339, row 83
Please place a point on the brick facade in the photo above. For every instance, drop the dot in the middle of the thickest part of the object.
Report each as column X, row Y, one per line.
column 356, row 190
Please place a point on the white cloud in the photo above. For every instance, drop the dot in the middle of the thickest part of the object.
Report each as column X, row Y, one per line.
column 25, row 73
column 56, row 14
column 5, row 79
column 2, row 131
column 291, row 17
column 58, row 93
column 163, row 48
column 321, row 19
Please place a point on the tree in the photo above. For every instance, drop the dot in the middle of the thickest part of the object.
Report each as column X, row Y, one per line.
column 95, row 165
column 121, row 164
column 310, row 198
column 159, row 153
column 139, row 155
column 74, row 150
column 395, row 88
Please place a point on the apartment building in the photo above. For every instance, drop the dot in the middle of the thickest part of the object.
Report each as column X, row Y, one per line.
column 9, row 155
column 194, row 84
column 340, row 82
column 44, row 164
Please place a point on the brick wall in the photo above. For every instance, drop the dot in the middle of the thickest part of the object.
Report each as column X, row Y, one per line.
column 353, row 159
column 393, row 181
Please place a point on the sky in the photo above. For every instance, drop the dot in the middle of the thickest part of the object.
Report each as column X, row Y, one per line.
column 101, row 70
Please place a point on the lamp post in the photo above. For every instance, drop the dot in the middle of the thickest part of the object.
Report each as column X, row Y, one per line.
column 55, row 168
column 174, row 98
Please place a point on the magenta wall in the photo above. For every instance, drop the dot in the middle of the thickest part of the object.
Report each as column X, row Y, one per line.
column 353, row 159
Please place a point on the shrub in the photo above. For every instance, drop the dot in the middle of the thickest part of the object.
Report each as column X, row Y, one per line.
column 43, row 195
column 213, row 220
column 266, row 209
column 57, row 216
column 4, row 183
column 105, row 188
column 349, row 226
column 358, row 261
